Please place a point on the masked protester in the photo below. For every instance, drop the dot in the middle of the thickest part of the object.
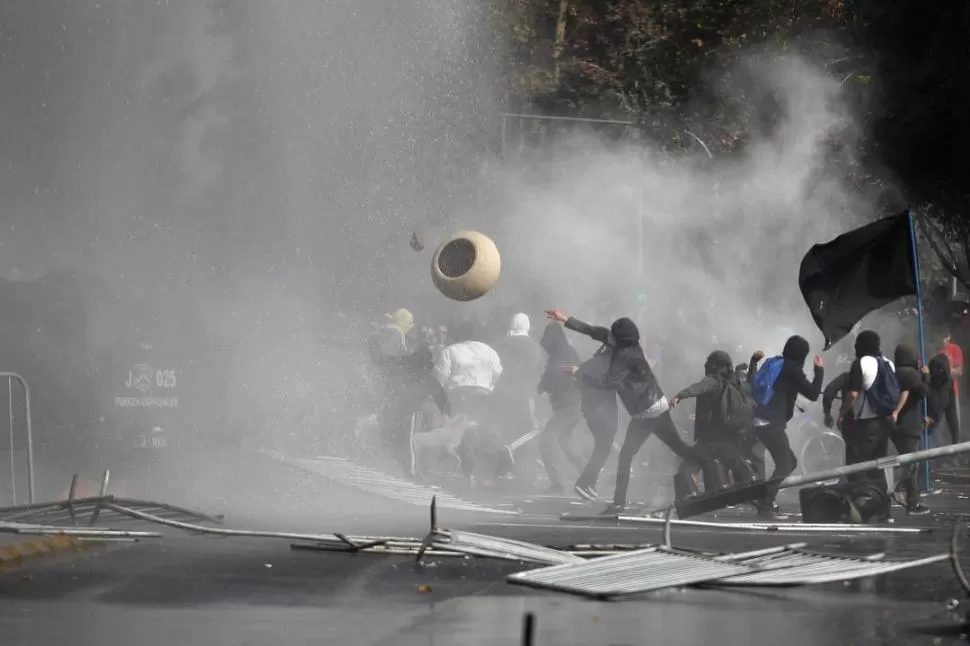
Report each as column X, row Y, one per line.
column 908, row 431
column 867, row 420
column 632, row 377
column 521, row 366
column 563, row 393
column 771, row 417
column 713, row 436
column 940, row 399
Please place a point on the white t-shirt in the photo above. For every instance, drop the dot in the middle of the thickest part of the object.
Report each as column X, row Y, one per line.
column 471, row 364
column 870, row 369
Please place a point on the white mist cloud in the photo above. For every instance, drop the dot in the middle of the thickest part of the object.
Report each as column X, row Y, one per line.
column 722, row 240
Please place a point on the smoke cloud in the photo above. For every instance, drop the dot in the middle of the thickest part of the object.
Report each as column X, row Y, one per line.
column 716, row 259
column 257, row 168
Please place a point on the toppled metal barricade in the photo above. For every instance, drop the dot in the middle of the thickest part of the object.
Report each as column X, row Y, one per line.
column 77, row 517
column 657, row 568
column 793, row 565
column 25, row 529
column 500, row 548
column 654, row 568
column 483, row 545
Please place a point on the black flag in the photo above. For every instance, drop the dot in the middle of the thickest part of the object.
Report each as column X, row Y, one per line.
column 858, row 272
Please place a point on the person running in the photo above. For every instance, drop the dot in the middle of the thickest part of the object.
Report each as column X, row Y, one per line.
column 776, row 386
column 521, row 367
column 601, row 414
column 632, row 377
column 564, row 401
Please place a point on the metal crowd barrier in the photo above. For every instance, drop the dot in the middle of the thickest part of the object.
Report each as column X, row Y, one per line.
column 11, row 377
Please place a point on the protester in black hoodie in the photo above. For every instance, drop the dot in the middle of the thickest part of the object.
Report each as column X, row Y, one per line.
column 711, row 436
column 940, row 399
column 564, row 400
column 598, row 404
column 630, row 374
column 771, row 419
column 908, row 430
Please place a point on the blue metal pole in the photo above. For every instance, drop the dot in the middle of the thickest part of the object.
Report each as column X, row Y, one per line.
column 922, row 338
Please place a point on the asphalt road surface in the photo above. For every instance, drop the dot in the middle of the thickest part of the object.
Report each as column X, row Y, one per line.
column 194, row 590
column 183, row 590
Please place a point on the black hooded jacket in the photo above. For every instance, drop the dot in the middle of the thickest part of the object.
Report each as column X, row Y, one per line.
column 939, row 395
column 708, row 424
column 629, row 371
column 910, row 417
column 560, row 385
column 790, row 384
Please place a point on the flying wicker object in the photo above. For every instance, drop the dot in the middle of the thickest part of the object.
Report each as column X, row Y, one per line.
column 466, row 266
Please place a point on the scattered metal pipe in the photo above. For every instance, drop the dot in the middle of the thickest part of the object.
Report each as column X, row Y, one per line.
column 798, row 528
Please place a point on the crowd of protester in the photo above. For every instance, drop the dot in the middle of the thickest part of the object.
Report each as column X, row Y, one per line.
column 530, row 391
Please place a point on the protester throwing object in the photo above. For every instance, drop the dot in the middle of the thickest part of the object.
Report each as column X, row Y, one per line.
column 633, row 379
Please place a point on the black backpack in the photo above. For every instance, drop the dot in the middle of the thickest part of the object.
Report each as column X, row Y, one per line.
column 737, row 406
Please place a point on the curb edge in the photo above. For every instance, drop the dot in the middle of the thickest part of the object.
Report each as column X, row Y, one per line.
column 17, row 554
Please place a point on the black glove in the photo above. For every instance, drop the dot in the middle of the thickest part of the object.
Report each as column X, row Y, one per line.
column 829, row 421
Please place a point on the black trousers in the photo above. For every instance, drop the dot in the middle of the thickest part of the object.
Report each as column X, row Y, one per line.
column 907, row 441
column 639, row 431
column 774, row 437
column 558, row 431
column 602, row 422
column 952, row 417
column 867, row 439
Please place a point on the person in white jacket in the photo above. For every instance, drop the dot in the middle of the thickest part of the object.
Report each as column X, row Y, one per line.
column 469, row 370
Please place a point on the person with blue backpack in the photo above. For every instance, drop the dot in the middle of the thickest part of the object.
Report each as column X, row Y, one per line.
column 775, row 386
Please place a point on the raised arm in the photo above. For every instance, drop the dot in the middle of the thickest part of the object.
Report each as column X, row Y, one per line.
column 811, row 390
column 753, row 365
column 595, row 332
column 702, row 387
